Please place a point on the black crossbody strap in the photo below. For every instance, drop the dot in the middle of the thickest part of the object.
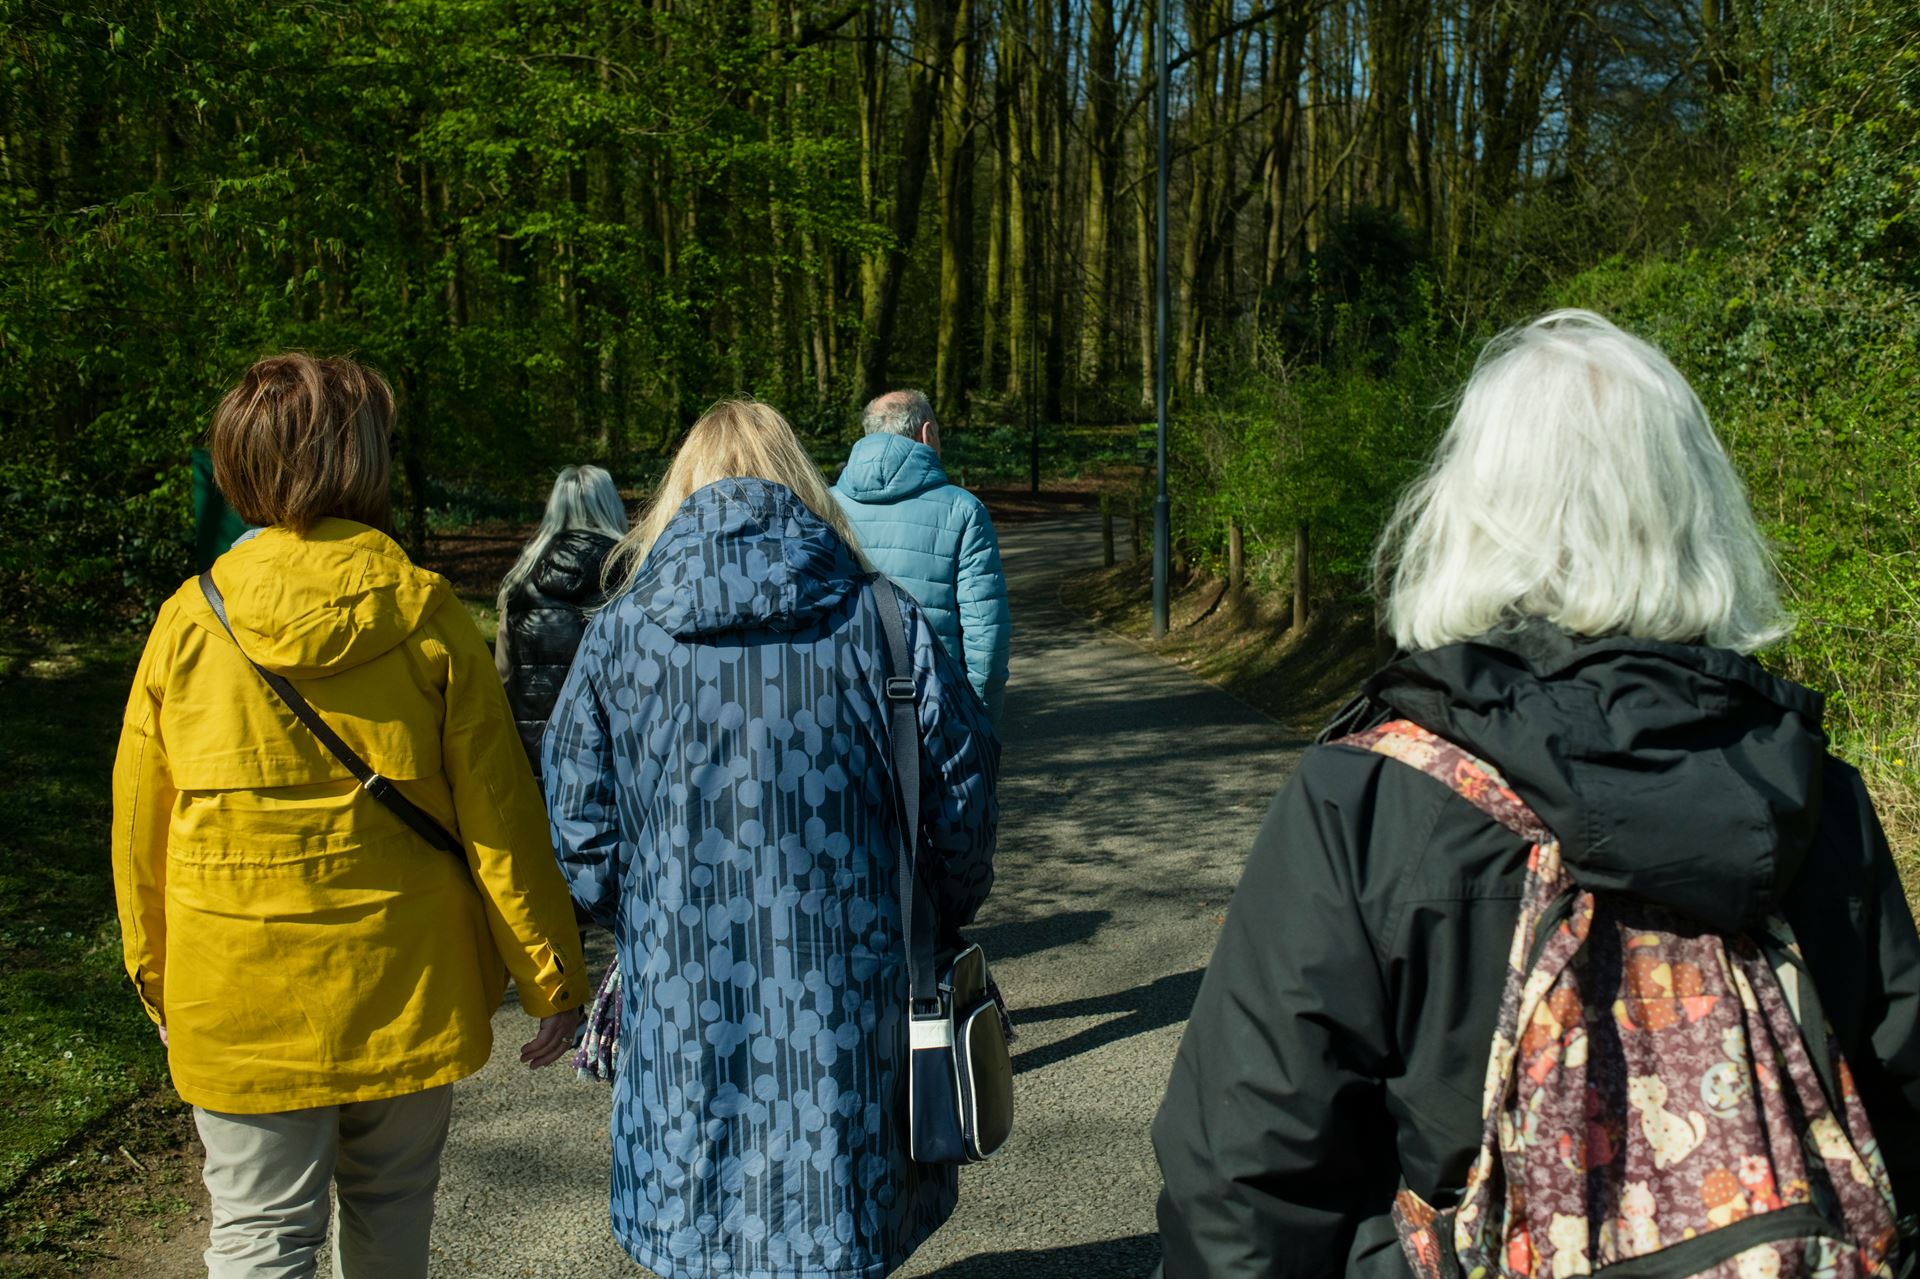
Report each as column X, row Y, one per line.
column 919, row 926
column 381, row 788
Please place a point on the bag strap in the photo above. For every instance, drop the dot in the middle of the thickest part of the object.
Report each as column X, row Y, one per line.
column 1550, row 897
column 1456, row 768
column 1547, row 904
column 919, row 928
column 381, row 788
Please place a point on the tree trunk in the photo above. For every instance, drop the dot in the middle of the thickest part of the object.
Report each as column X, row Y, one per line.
column 998, row 211
column 883, row 269
column 1200, row 122
column 1284, row 87
column 1019, row 249
column 1053, row 240
column 956, row 219
column 1097, row 232
column 1145, row 148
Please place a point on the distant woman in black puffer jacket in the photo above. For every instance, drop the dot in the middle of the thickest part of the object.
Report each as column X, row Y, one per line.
column 547, row 594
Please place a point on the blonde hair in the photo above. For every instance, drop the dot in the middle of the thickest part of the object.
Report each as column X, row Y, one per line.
column 301, row 438
column 735, row 439
column 1579, row 483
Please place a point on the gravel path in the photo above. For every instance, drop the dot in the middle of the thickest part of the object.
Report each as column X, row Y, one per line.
column 1131, row 791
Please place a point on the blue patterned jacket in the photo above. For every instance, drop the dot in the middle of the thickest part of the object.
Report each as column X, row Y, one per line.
column 718, row 771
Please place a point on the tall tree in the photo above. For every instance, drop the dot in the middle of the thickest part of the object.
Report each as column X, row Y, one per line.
column 1100, row 131
column 899, row 207
column 958, row 124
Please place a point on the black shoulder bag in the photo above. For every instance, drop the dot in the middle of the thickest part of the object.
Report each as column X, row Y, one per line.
column 960, row 1072
column 381, row 788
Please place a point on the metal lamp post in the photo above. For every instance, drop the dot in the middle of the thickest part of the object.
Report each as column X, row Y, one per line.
column 1033, row 383
column 1161, row 534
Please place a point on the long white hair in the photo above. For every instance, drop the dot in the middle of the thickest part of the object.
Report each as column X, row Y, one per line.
column 583, row 497
column 1579, row 483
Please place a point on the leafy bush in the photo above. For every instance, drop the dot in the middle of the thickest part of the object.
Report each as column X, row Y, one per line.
column 1327, row 442
column 1799, row 330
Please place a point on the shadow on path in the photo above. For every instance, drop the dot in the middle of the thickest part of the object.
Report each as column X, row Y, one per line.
column 1162, row 1002
column 1131, row 1258
column 1019, row 938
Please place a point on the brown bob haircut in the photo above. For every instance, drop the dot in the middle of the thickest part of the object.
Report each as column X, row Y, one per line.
column 302, row 438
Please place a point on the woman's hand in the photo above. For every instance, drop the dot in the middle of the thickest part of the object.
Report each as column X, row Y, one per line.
column 163, row 1034
column 554, row 1040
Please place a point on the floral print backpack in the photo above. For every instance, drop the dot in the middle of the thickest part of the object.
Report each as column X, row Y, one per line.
column 1660, row 1100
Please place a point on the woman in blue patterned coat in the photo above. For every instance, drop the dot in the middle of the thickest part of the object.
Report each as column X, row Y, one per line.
column 719, row 778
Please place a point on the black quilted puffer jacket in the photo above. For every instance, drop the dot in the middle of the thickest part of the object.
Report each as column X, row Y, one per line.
column 545, row 617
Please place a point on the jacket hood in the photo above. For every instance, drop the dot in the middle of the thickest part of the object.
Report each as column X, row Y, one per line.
column 569, row 569
column 319, row 603
column 745, row 554
column 887, row 468
column 1680, row 774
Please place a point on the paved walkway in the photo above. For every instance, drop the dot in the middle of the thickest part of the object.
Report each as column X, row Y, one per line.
column 1131, row 792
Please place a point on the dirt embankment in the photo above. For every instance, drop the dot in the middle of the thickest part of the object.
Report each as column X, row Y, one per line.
column 1245, row 643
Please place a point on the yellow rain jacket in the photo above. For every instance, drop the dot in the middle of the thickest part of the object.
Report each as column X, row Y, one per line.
column 302, row 945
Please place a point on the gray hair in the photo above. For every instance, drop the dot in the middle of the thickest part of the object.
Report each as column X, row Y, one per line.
column 583, row 497
column 1579, row 482
column 897, row 413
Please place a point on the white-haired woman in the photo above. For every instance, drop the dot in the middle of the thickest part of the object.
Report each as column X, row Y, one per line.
column 546, row 596
column 1578, row 583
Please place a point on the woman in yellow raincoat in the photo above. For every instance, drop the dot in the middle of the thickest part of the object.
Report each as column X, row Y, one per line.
column 320, row 972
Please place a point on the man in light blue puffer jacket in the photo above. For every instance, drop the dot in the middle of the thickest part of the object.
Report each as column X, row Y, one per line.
column 931, row 536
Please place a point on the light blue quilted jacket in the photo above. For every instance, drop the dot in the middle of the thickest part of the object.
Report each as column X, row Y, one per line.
column 935, row 539
column 718, row 773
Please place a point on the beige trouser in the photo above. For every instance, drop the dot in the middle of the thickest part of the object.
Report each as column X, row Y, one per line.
column 268, row 1176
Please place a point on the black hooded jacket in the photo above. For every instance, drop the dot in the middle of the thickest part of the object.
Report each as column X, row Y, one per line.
column 541, row 625
column 1340, row 1038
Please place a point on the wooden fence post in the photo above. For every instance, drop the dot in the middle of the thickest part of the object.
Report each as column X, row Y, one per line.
column 1300, row 576
column 1106, row 529
column 1236, row 558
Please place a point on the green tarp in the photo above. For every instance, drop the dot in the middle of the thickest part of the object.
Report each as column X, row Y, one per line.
column 215, row 527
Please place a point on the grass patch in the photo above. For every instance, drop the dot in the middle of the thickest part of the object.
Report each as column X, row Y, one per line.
column 115, row 1203
column 75, row 1047
column 1896, row 798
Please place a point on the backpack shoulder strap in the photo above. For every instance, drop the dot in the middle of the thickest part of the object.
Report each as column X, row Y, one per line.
column 917, row 921
column 1440, row 1244
column 381, row 788
column 1453, row 766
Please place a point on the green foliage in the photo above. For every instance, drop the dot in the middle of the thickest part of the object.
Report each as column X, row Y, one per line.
column 1817, row 396
column 1328, row 442
column 1799, row 330
column 74, row 1044
column 1367, row 281
column 1003, row 455
column 1798, row 322
column 544, row 222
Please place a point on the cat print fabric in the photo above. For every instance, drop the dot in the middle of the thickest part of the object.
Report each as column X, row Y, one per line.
column 1649, row 1090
